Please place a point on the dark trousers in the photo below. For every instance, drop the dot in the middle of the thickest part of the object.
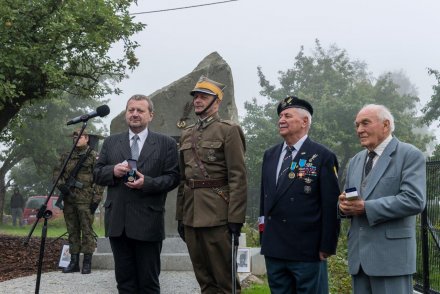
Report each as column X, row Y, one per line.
column 297, row 277
column 210, row 251
column 137, row 265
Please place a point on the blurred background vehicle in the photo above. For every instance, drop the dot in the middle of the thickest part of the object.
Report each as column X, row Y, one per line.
column 34, row 203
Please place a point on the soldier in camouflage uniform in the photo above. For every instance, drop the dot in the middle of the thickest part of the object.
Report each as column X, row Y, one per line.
column 211, row 200
column 81, row 199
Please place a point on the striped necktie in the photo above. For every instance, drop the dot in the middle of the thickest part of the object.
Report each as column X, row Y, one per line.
column 287, row 161
column 135, row 147
column 369, row 164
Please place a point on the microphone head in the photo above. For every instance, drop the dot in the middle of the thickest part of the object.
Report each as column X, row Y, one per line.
column 102, row 110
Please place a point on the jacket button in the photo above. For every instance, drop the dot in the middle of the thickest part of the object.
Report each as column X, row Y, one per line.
column 284, row 220
column 269, row 217
column 291, row 199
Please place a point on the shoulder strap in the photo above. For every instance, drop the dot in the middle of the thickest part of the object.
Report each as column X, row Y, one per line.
column 80, row 162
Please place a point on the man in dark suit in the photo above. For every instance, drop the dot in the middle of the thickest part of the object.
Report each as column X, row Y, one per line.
column 298, row 206
column 134, row 208
column 388, row 183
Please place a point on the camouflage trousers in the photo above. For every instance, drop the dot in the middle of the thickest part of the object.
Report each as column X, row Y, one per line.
column 79, row 221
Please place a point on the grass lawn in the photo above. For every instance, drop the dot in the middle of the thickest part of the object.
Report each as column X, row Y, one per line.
column 55, row 228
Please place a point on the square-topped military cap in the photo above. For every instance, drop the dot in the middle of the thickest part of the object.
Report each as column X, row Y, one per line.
column 208, row 86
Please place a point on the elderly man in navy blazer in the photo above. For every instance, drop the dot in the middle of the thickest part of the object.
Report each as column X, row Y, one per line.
column 385, row 190
column 298, row 206
column 135, row 204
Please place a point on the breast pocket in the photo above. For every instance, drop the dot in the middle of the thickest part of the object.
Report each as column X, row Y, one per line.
column 211, row 151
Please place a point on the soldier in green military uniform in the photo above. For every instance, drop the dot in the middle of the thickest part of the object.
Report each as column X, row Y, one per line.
column 211, row 200
column 81, row 198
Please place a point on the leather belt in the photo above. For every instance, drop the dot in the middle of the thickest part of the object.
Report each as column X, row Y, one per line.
column 208, row 183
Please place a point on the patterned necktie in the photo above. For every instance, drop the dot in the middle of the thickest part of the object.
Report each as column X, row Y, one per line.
column 369, row 164
column 135, row 148
column 287, row 161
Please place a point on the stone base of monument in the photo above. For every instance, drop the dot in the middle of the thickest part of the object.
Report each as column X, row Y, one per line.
column 174, row 256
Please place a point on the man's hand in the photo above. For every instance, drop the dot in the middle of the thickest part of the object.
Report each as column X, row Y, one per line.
column 120, row 169
column 323, row 256
column 235, row 229
column 181, row 230
column 351, row 207
column 138, row 184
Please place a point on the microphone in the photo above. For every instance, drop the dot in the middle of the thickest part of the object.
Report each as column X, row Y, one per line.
column 101, row 111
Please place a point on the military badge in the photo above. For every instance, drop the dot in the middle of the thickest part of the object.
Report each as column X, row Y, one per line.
column 291, row 175
column 211, row 155
column 307, row 189
column 181, row 124
column 313, row 157
column 308, row 180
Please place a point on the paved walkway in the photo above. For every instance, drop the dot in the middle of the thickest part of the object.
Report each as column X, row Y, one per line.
column 99, row 281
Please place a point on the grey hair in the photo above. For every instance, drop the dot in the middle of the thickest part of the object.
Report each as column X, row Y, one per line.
column 303, row 113
column 140, row 97
column 383, row 113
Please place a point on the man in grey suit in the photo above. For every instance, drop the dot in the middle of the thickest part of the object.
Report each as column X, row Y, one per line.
column 134, row 208
column 385, row 190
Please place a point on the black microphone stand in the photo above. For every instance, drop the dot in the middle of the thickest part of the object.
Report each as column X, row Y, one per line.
column 43, row 212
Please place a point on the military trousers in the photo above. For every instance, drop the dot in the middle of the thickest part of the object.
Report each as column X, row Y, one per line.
column 210, row 250
column 79, row 221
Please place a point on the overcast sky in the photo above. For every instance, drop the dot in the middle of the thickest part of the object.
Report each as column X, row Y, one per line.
column 388, row 35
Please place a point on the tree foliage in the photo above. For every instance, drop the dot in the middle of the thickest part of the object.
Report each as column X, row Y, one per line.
column 34, row 140
column 55, row 47
column 432, row 109
column 337, row 87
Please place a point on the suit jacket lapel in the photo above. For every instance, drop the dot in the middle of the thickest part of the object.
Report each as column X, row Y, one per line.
column 380, row 167
column 358, row 171
column 124, row 143
column 148, row 149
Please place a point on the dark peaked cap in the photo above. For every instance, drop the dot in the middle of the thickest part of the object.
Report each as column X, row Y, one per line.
column 294, row 102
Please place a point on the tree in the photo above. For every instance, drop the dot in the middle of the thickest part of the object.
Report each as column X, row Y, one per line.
column 337, row 87
column 53, row 47
column 432, row 108
column 34, row 139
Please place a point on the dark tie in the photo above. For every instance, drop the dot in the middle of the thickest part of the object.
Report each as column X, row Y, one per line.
column 135, row 148
column 287, row 161
column 369, row 164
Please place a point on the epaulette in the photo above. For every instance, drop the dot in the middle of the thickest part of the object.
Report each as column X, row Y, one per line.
column 228, row 122
column 188, row 127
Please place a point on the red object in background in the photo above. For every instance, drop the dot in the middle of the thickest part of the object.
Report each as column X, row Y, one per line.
column 261, row 228
column 34, row 203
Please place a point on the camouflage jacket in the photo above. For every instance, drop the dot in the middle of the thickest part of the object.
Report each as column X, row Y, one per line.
column 89, row 192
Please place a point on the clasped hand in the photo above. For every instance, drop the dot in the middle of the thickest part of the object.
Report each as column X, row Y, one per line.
column 351, row 207
column 121, row 169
